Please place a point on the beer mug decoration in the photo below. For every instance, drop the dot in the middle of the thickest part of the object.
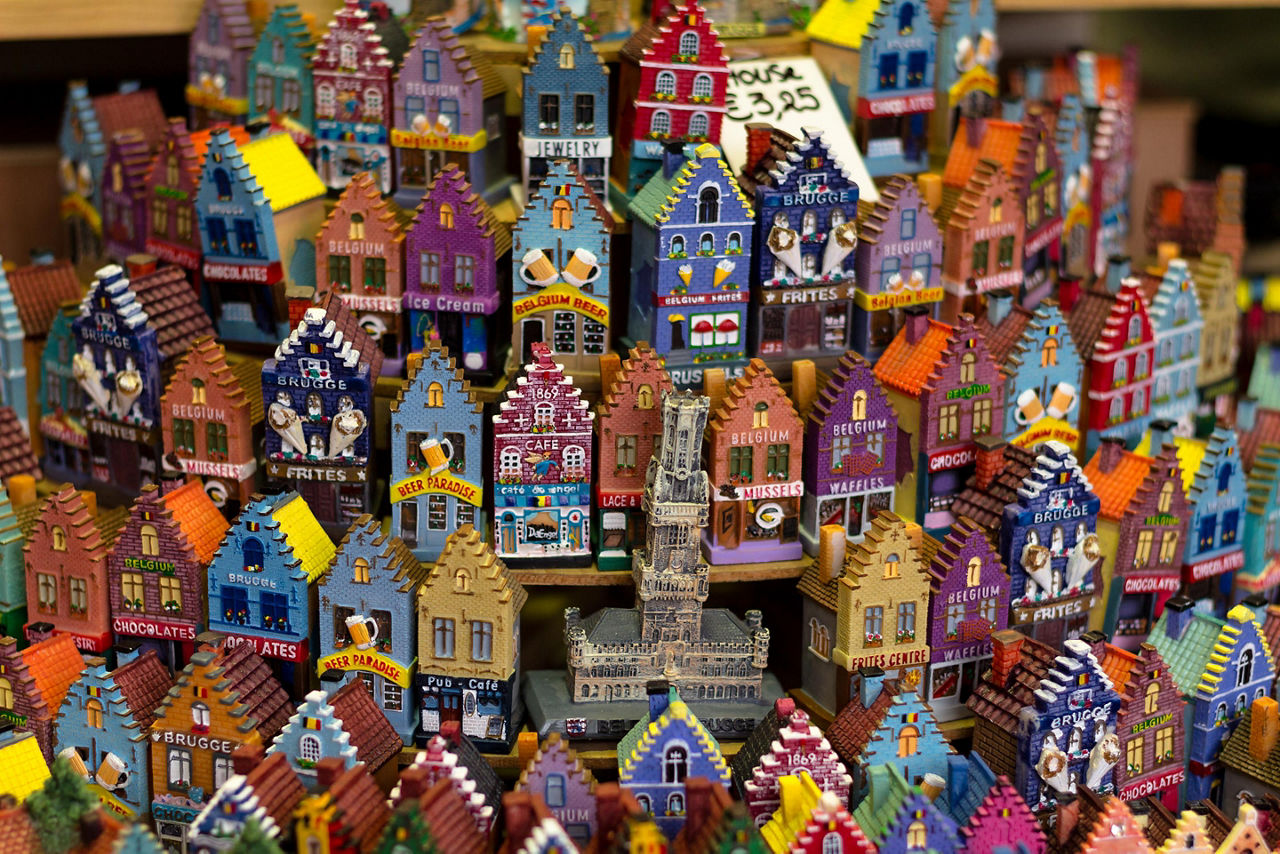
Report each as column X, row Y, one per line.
column 536, row 268
column 583, row 268
column 436, row 453
column 362, row 630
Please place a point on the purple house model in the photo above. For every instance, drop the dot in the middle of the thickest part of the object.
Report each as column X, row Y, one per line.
column 218, row 64
column 124, row 194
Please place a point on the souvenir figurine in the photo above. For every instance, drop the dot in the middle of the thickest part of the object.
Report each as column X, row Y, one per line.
column 211, row 422
column 554, row 771
column 347, row 808
column 423, row 802
column 156, row 569
column 691, row 256
column 1245, row 835
column 798, row 746
column 807, row 817
column 347, row 725
column 629, row 426
column 224, row 698
column 103, row 730
column 560, row 257
column 715, row 823
column 170, row 197
column 1002, row 816
column 360, row 257
column 25, row 768
column 756, row 508
column 38, row 679
column 368, row 622
column 965, row 80
column 279, row 76
column 542, row 448
column 1176, row 324
column 277, row 546
column 673, row 81
column 1219, row 347
column 219, row 54
column 1112, row 170
column 317, row 391
column 944, row 380
column 1071, row 137
column 259, row 206
column 470, row 593
column 807, row 211
column 898, row 817
column 124, row 207
column 565, row 109
column 530, row 826
column 448, row 110
column 898, row 259
column 13, row 570
column 1100, row 824
column 1261, row 570
column 452, row 757
column 29, row 304
column 437, row 478
column 62, row 403
column 1018, row 666
column 457, row 276
column 265, row 790
column 1197, row 215
column 1247, row 754
column 1038, row 176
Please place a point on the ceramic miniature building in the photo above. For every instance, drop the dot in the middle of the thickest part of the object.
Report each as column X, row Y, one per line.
column 944, row 380
column 1018, row 666
column 211, row 420
column 1219, row 666
column 259, row 207
column 1101, row 824
column 156, row 569
column 542, row 451
column 349, row 812
column 566, row 786
column 1216, row 532
column 1214, row 277
column 1247, row 754
column 903, row 735
column 1038, row 174
column 1176, row 323
column 38, row 291
column 666, row 742
column 219, row 53
column 347, row 725
column 851, row 453
column 13, row 571
column 969, row 603
column 809, row 818
column 124, row 200
column 456, row 275
column 898, row 264
column 262, row 580
column 561, row 299
column 1072, row 141
column 1261, row 570
column 715, row 823
column 62, row 400
column 13, row 369
column 1197, row 215
column 129, row 335
column 360, row 257
column 565, row 111
column 807, row 206
column 265, row 791
column 690, row 264
column 26, row 768
column 280, row 87
column 965, row 81
column 629, row 425
column 104, row 729
column 318, row 394
column 1002, row 816
column 898, row 816
column 428, row 806
column 16, row 456
column 1111, row 164
column 172, row 234
column 452, row 757
column 672, row 82
column 799, row 746
column 222, row 699
column 368, row 621
column 755, row 505
column 37, row 679
column 448, row 111
column 470, row 594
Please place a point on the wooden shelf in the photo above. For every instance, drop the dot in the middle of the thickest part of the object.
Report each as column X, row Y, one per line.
column 723, row 574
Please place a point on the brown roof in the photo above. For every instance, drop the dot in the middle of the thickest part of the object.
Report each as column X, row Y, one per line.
column 969, row 202
column 345, row 319
column 446, row 814
column 360, row 807
column 370, row 731
column 16, row 455
column 1088, row 317
column 258, row 688
column 852, row 728
column 781, row 144
column 825, row 593
column 642, row 40
column 277, row 786
column 135, row 161
column 144, row 682
column 18, row 833
column 707, row 837
column 1002, row 337
column 39, row 290
column 986, row 506
column 1001, row 704
column 1266, row 431
column 140, row 110
column 173, row 308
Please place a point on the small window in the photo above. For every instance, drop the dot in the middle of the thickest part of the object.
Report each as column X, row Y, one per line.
column 908, row 741
column 435, row 395
column 59, row 537
column 199, row 392
column 1166, row 495
column 93, row 713
column 200, row 717
column 446, row 216
column 689, row 43
column 554, row 790
column 566, row 56
column 561, row 215
column 997, row 209
column 150, row 541
column 1152, row 699
column 355, row 231
column 973, row 572
column 309, row 748
column 665, row 84
column 660, row 124
column 702, row 87
column 360, row 573
column 709, row 204
column 760, row 416
column 675, row 764
column 644, row 397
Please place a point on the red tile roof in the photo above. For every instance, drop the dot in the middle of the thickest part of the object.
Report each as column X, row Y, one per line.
column 144, row 682
column 173, row 308
column 853, row 726
column 198, row 517
column 345, row 319
column 1266, row 431
column 265, row 697
column 54, row 663
column 140, row 110
column 1002, row 337
column 1116, row 488
column 1088, row 318
column 1000, row 704
column 905, row 366
column 278, row 788
column 360, row 807
column 996, row 140
column 16, row 455
column 39, row 290
column 370, row 731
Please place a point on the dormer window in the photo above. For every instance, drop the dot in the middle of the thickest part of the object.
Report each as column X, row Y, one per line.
column 355, row 230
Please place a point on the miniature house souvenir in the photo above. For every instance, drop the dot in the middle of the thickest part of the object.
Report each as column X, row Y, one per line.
column 1197, row 215
column 944, row 380
column 37, row 679
column 1176, row 323
column 352, row 75
column 457, row 274
column 898, row 259
column 1112, row 169
column 851, row 453
column 1261, row 570
column 555, row 772
column 347, row 725
column 426, row 804
column 264, row 791
column 259, row 205
column 542, row 465
column 1214, row 277
column 262, row 581
column 970, row 602
column 1038, row 175
column 470, row 594
column 211, row 422
column 318, row 394
column 26, row 770
column 218, row 66
column 156, row 569
column 124, row 201
column 279, row 75
column 898, row 816
column 1018, row 666
column 13, row 368
column 448, row 111
column 223, row 698
column 690, row 264
column 348, row 811
column 1101, row 824
column 16, row 456
column 808, row 208
column 104, row 730
column 672, row 83
column 669, row 740
column 38, row 292
column 368, row 621
column 807, row 814
column 453, row 757
column 629, row 426
column 437, row 479
column 799, row 747
column 1216, row 533
column 172, row 233
column 755, row 508
column 565, row 109
column 1219, row 666
column 62, row 400
column 560, row 257
column 965, row 80
column 714, row 822
column 1071, row 137
column 360, row 257
column 13, row 571
column 1247, row 754
column 1002, row 816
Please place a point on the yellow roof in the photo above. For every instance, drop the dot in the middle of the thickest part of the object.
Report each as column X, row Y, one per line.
column 842, row 22
column 304, row 535
column 282, row 171
column 1190, row 455
column 799, row 795
column 24, row 766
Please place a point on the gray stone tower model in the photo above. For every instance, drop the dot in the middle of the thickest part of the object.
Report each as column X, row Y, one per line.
column 705, row 654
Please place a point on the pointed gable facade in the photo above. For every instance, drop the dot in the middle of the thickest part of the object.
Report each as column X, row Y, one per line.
column 1261, row 570
column 218, row 63
column 346, row 725
column 1216, row 533
column 799, row 747
column 1177, row 325
column 1150, row 724
column 1119, row 354
column 1002, row 816
column 1037, row 173
column 566, row 785
column 124, row 205
column 1042, row 373
column 38, row 679
column 280, row 86
column 170, row 195
column 983, row 236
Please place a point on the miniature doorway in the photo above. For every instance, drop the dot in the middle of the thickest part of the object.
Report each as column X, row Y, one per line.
column 532, row 332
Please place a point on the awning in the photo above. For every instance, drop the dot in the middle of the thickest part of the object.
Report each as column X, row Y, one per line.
column 728, row 325
column 676, row 318
column 703, row 326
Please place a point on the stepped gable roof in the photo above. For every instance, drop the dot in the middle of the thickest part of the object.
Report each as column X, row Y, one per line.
column 760, row 739
column 346, row 323
column 241, row 380
column 135, row 159
column 1266, row 431
column 39, row 289
column 967, row 204
column 409, row 572
column 1003, row 336
column 374, row 738
column 659, row 197
column 364, row 184
column 474, row 206
column 467, row 547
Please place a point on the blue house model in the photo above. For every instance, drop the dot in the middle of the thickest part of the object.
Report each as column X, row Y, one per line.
column 437, row 454
column 1261, row 570
column 898, row 816
column 907, row 738
column 1216, row 531
column 280, row 86
column 13, row 368
column 690, row 265
column 1176, row 323
column 896, row 71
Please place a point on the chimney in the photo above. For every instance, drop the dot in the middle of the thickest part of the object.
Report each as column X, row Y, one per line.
column 127, row 650
column 832, row 542
column 1118, row 269
column 414, row 782
column 90, row 499
column 715, row 386
column 1264, row 726
column 610, row 367
column 37, row 632
column 1068, row 813
column 784, row 708
column 930, row 186
column 328, row 770
column 1006, row 652
column 517, row 814
column 140, row 264
column 1246, row 414
column 1110, row 452
column 974, row 130
column 22, row 490
column 1161, row 435
column 526, row 747
column 1166, row 251
column 989, row 461
column 759, row 141
column 1178, row 612
column 697, row 805
column 1097, row 642
column 916, row 322
column 870, row 684
column 804, row 385
column 672, row 158
column 535, row 34
column 932, row 786
column 999, row 304
column 246, row 757
column 610, row 811
column 957, row 778
column 90, row 827
column 1068, row 294
column 42, row 257
column 1257, row 603
column 659, row 691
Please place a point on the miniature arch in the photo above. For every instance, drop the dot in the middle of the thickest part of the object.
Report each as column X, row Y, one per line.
column 675, row 762
column 355, row 228
column 561, row 214
column 567, row 56
column 709, row 203
column 760, row 416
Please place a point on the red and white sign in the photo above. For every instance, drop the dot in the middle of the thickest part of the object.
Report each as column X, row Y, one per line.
column 607, row 499
column 794, row 489
column 875, row 108
column 1150, row 785
column 953, row 458
column 371, row 302
column 1152, row 584
column 183, row 256
column 1203, row 569
column 1006, row 279
column 259, row 274
column 270, row 648
column 144, row 628
column 1041, row 238
column 208, row 468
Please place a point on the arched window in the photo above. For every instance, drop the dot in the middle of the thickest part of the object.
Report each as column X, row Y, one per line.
column 93, row 713
column 59, row 537
column 760, row 416
column 675, row 764
column 1152, row 700
column 644, row 397
column 199, row 716
column 553, row 790
column 858, row 411
column 734, row 243
column 543, row 414
column 832, row 843
column 917, row 835
column 462, row 581
column 1075, row 739
column 561, row 214
column 1049, row 353
column 6, row 693
column 198, row 392
column 435, row 395
column 1140, row 366
column 252, row 552
column 566, row 56
column 446, row 215
column 660, row 124
column 809, row 222
column 699, row 125
column 1135, row 327
column 837, row 217
column 361, row 571
column 973, row 572
column 222, row 183
column 355, row 231
column 906, row 18
column 150, row 540
column 997, row 209
column 892, row 566
column 1180, row 311
column 677, row 245
column 1224, row 477
column 689, row 42
column 1057, row 543
column 309, row 748
column 675, row 804
column 1244, row 668
column 347, row 55
column 1166, row 496
column 702, row 87
column 326, row 100
column 643, row 800
column 665, row 83
column 709, row 204
column 509, row 462
column 968, row 367
column 1120, row 372
column 908, row 741
column 706, row 244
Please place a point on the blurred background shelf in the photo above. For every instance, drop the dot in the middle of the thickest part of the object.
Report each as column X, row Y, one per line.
column 726, row 574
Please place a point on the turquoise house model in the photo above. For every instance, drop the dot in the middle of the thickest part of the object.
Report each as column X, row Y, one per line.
column 13, row 368
column 13, row 572
column 280, row 86
column 1176, row 323
column 1261, row 570
column 907, row 738
column 1216, row 530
